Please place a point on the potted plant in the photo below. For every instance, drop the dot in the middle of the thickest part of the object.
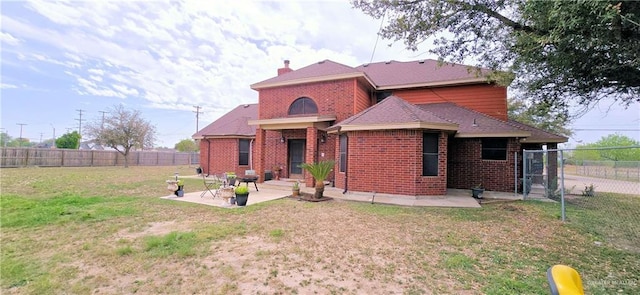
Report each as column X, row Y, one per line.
column 295, row 190
column 477, row 191
column 242, row 195
column 320, row 171
column 231, row 178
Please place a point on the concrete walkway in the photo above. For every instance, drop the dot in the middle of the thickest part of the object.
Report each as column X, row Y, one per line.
column 277, row 189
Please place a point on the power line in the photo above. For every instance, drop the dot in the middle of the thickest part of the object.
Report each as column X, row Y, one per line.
column 377, row 37
column 604, row 129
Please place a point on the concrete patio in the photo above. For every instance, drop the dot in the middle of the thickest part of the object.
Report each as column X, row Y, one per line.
column 277, row 189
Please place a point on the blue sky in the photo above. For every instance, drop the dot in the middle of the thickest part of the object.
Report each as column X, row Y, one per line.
column 164, row 58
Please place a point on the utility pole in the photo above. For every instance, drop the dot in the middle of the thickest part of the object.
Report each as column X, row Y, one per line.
column 41, row 134
column 21, row 124
column 80, row 122
column 54, row 136
column 198, row 112
column 102, row 125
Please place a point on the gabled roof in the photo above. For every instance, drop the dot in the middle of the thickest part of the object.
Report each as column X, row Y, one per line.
column 394, row 113
column 396, row 74
column 472, row 123
column 381, row 75
column 325, row 70
column 232, row 124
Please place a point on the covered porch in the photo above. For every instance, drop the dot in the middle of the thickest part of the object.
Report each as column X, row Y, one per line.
column 282, row 144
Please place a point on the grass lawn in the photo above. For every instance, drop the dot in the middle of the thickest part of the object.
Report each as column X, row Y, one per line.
column 104, row 230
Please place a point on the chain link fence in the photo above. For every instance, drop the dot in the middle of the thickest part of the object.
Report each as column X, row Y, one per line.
column 600, row 196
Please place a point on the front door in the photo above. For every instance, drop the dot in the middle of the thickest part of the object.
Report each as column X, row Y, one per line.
column 296, row 157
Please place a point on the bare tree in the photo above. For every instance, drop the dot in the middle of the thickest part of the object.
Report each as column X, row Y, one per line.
column 123, row 130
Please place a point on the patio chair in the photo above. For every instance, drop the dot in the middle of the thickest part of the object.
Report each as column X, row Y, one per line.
column 564, row 280
column 211, row 183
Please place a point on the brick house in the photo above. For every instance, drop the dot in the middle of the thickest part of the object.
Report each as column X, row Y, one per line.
column 407, row 128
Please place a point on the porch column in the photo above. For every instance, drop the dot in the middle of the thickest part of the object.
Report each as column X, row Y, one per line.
column 259, row 153
column 311, row 153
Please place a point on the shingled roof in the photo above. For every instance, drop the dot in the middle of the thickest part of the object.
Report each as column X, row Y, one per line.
column 381, row 75
column 395, row 113
column 396, row 74
column 472, row 123
column 538, row 135
column 232, row 124
column 321, row 71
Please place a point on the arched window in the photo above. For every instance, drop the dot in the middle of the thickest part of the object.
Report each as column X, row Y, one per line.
column 303, row 105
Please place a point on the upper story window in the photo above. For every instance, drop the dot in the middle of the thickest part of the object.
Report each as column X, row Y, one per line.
column 303, row 105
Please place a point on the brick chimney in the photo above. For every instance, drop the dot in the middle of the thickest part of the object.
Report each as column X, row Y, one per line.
column 286, row 68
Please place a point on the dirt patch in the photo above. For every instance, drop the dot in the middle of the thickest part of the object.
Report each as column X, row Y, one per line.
column 310, row 198
column 154, row 229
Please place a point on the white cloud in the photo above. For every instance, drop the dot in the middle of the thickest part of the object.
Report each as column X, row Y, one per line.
column 6, row 38
column 7, row 86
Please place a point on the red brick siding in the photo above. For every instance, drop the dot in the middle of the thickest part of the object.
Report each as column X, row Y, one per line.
column 331, row 97
column 487, row 98
column 224, row 155
column 467, row 169
column 391, row 162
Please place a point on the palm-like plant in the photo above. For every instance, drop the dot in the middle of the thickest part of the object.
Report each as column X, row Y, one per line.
column 320, row 171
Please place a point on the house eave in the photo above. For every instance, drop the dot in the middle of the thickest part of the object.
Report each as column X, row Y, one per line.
column 435, row 84
column 543, row 140
column 396, row 126
column 499, row 134
column 261, row 85
column 321, row 121
column 225, row 136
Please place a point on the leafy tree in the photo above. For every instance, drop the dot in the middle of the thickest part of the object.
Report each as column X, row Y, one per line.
column 564, row 52
column 186, row 145
column 543, row 116
column 320, row 171
column 5, row 138
column 123, row 130
column 69, row 140
column 594, row 151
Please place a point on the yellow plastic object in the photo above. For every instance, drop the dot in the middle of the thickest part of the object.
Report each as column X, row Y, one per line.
column 564, row 280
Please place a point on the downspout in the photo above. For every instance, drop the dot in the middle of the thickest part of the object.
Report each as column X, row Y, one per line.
column 251, row 154
column 346, row 160
column 208, row 156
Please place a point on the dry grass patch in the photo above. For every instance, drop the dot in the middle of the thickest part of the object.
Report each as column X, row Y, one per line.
column 280, row 247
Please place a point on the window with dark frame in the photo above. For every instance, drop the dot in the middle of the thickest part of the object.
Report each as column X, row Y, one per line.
column 243, row 148
column 494, row 148
column 343, row 153
column 430, row 154
column 303, row 105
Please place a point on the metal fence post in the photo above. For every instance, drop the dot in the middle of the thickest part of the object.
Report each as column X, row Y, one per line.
column 524, row 175
column 562, row 184
column 515, row 182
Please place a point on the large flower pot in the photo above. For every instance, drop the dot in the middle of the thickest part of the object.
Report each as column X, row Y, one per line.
column 241, row 199
column 477, row 192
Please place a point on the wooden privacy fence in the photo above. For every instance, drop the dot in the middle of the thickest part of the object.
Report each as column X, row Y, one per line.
column 23, row 157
